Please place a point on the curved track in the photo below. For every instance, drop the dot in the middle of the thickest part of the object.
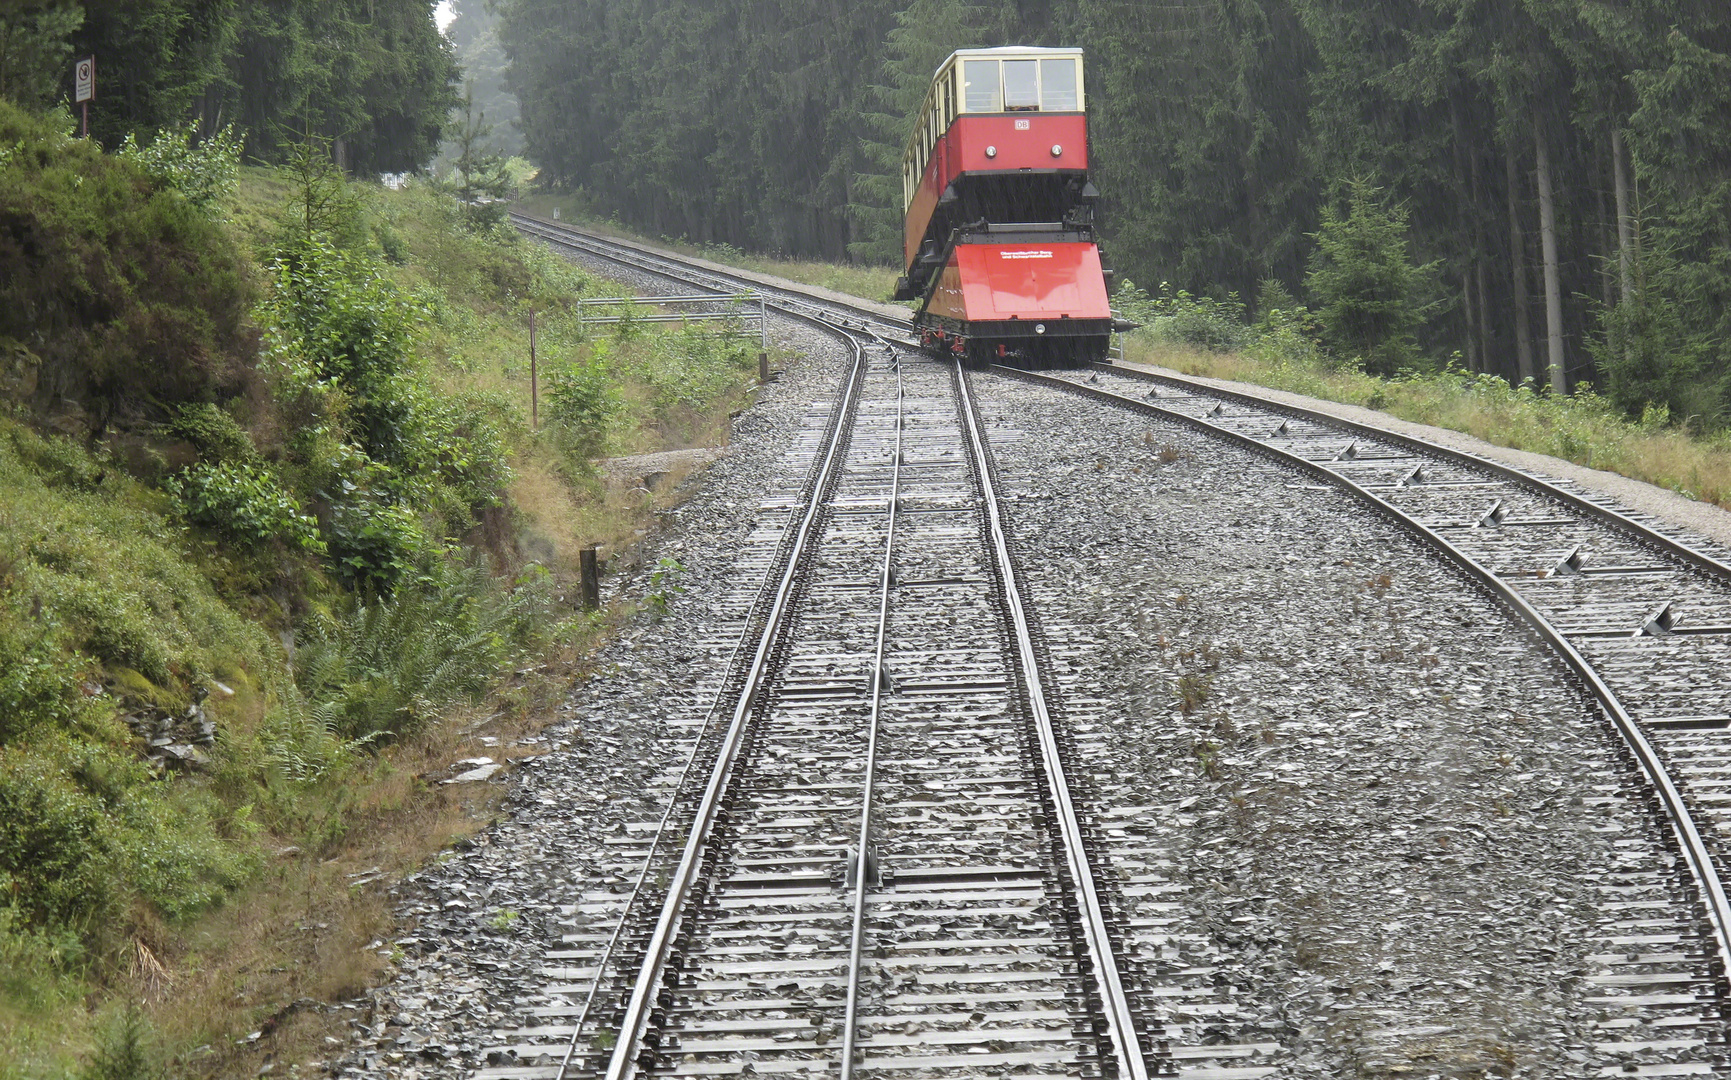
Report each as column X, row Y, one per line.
column 957, row 923
column 819, row 892
column 1642, row 618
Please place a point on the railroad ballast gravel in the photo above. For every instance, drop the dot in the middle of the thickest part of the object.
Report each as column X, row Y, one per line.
column 1382, row 796
column 1393, row 811
column 477, row 924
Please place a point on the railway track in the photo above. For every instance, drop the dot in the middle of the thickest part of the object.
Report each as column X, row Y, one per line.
column 884, row 854
column 886, row 868
column 1642, row 619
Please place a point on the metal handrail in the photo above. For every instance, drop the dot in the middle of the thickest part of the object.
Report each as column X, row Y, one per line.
column 745, row 297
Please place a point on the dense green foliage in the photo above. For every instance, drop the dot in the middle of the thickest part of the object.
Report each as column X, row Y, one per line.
column 1222, row 132
column 734, row 121
column 374, row 77
column 386, row 666
column 115, row 290
column 36, row 51
column 1369, row 296
column 257, row 522
column 94, row 580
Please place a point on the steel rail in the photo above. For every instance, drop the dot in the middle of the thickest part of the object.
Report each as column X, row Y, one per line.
column 1687, row 834
column 790, row 301
column 637, row 1007
column 648, row 265
column 862, row 857
column 1699, row 559
column 1121, row 1024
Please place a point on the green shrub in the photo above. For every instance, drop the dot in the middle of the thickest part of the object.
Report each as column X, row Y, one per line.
column 105, row 572
column 202, row 170
column 54, row 460
column 41, row 685
column 84, row 827
column 115, row 292
column 1286, row 336
column 1177, row 316
column 214, row 432
column 582, row 399
column 54, row 853
column 34, row 961
column 386, row 665
column 374, row 543
column 373, row 437
column 1370, row 297
column 695, row 365
column 1133, row 302
column 243, row 502
column 124, row 1050
column 333, row 318
column 1651, row 356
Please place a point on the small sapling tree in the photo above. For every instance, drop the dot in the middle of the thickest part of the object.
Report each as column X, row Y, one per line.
column 1369, row 296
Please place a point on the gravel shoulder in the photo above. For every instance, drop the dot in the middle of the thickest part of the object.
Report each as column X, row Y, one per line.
column 1701, row 519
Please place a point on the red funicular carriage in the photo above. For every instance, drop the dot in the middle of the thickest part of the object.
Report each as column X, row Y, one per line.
column 999, row 243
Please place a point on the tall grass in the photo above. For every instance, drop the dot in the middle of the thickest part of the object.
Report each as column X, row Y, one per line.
column 1582, row 427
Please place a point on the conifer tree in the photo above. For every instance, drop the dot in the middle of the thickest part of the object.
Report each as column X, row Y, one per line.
column 1368, row 295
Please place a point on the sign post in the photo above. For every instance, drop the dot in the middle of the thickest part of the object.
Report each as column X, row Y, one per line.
column 84, row 87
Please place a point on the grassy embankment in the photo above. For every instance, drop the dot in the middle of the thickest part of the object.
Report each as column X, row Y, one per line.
column 1583, row 429
column 409, row 542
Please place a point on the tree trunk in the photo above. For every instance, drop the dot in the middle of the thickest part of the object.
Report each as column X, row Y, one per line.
column 1484, row 319
column 1604, row 238
column 1548, row 242
column 1469, row 212
column 1625, row 222
column 1467, row 312
column 1518, row 266
column 1478, row 266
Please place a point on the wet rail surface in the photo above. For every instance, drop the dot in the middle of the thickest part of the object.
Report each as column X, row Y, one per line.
column 971, row 957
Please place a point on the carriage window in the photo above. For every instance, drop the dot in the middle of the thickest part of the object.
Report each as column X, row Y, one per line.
column 982, row 85
column 1058, row 86
column 1021, row 85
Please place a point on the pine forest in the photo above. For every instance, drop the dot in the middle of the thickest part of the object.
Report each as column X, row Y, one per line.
column 1561, row 168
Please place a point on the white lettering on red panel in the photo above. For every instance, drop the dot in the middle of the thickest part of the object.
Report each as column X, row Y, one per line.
column 1022, row 125
column 1024, row 254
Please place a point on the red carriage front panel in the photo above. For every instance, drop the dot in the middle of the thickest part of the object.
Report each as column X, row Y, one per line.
column 995, row 282
column 1020, row 142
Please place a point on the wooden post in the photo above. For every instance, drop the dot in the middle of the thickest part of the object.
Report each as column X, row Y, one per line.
column 534, row 380
column 589, row 584
column 762, row 369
